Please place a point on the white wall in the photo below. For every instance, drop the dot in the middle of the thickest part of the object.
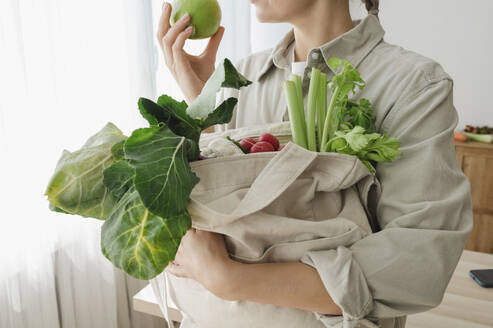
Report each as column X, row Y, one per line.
column 457, row 34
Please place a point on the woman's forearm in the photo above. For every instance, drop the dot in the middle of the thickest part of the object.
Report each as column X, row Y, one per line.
column 294, row 284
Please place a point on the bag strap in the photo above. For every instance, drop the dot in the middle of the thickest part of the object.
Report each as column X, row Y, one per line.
column 275, row 178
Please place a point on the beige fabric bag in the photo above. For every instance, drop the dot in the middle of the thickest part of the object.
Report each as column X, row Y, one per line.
column 272, row 207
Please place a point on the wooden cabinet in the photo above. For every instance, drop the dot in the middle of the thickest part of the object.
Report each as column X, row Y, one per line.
column 476, row 160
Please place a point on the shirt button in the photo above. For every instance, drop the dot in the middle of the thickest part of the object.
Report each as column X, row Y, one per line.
column 315, row 55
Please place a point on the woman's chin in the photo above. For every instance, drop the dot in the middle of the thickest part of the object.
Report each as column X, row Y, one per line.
column 265, row 18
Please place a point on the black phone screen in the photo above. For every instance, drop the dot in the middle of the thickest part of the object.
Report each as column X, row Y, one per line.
column 483, row 277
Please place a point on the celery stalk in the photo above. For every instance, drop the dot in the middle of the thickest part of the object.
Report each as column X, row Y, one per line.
column 321, row 108
column 313, row 92
column 487, row 138
column 299, row 92
column 297, row 128
column 328, row 121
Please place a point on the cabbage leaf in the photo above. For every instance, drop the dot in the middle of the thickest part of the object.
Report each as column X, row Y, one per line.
column 163, row 177
column 139, row 242
column 141, row 185
column 77, row 186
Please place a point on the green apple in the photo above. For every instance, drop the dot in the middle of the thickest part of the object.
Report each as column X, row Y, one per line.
column 205, row 16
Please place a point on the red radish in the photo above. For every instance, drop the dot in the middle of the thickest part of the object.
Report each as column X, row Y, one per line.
column 262, row 147
column 281, row 147
column 270, row 139
column 247, row 143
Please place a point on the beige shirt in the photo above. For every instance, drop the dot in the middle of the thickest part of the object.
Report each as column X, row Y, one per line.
column 424, row 211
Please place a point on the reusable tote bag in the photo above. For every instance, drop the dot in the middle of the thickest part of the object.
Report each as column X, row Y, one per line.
column 271, row 207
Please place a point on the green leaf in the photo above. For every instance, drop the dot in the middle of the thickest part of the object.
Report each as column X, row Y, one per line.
column 237, row 144
column 225, row 76
column 233, row 78
column 139, row 242
column 346, row 80
column 117, row 150
column 56, row 209
column 366, row 146
column 163, row 176
column 118, row 178
column 77, row 187
column 356, row 138
column 384, row 149
column 173, row 114
column 361, row 114
column 152, row 112
column 180, row 123
column 221, row 115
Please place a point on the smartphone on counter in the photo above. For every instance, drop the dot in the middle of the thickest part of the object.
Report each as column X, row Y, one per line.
column 483, row 277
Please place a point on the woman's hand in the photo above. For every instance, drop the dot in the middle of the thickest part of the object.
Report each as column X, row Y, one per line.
column 202, row 256
column 190, row 72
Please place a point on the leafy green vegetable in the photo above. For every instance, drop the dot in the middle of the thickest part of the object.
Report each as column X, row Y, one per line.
column 321, row 108
column 346, row 81
column 237, row 144
column 221, row 115
column 171, row 113
column 56, row 209
column 141, row 185
column 163, row 177
column 348, row 127
column 296, row 114
column 117, row 150
column 139, row 242
column 360, row 115
column 300, row 107
column 225, row 76
column 313, row 99
column 486, row 138
column 77, row 187
column 118, row 178
column 367, row 147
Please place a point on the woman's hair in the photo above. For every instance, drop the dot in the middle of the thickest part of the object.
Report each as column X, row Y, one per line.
column 372, row 6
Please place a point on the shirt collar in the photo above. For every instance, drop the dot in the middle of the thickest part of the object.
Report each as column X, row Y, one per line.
column 353, row 46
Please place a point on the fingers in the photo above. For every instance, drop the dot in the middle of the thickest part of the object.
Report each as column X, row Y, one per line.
column 179, row 55
column 170, row 37
column 213, row 45
column 163, row 25
column 163, row 28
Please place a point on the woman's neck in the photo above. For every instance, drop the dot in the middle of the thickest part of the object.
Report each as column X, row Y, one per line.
column 319, row 24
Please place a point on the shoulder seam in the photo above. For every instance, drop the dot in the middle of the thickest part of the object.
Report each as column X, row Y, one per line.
column 417, row 91
column 428, row 76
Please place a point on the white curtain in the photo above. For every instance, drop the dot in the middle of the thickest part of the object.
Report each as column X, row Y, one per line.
column 66, row 68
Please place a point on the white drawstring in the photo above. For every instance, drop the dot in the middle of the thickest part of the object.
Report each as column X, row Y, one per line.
column 162, row 291
column 165, row 299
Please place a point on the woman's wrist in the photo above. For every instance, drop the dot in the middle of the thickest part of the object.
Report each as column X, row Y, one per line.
column 192, row 91
column 224, row 283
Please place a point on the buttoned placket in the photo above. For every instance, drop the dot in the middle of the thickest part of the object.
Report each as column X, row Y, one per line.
column 315, row 59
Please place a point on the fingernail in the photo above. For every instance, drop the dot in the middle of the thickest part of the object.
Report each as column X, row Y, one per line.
column 165, row 6
column 189, row 29
column 185, row 17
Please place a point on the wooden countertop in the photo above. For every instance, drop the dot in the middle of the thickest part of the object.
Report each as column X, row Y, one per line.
column 465, row 304
column 474, row 144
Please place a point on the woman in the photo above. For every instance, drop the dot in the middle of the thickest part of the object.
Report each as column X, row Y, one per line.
column 424, row 211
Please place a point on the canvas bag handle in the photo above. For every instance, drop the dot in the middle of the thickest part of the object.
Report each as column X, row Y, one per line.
column 275, row 178
column 281, row 171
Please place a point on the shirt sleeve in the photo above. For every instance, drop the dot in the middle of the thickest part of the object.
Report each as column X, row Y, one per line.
column 424, row 212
